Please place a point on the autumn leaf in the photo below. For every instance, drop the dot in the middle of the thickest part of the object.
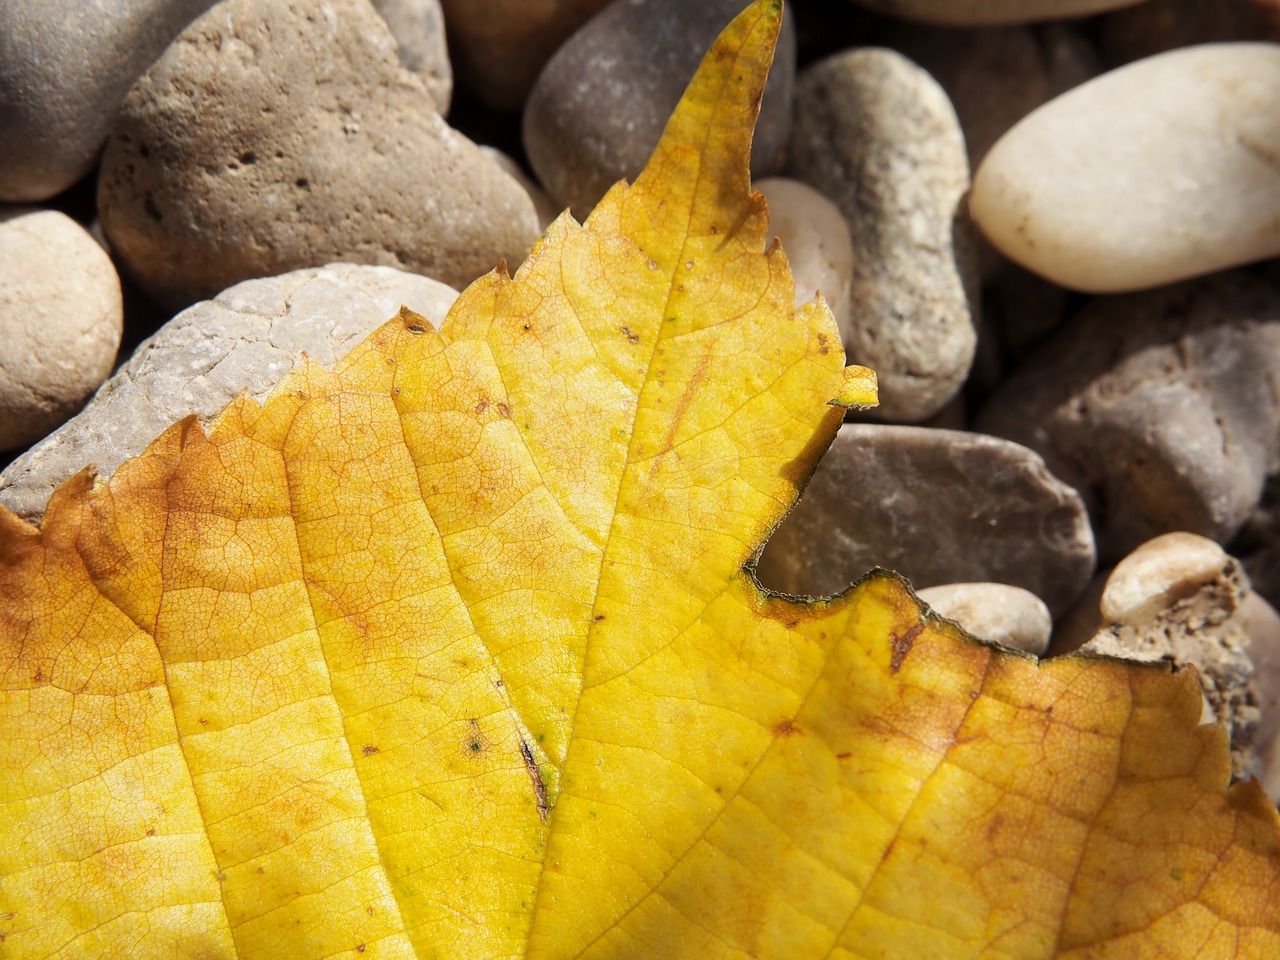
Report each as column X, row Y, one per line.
column 456, row 651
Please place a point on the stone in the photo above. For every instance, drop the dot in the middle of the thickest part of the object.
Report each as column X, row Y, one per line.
column 995, row 612
column 61, row 317
column 418, row 26
column 979, row 13
column 1162, row 170
column 500, row 46
column 1159, row 25
column 602, row 101
column 938, row 506
column 243, row 340
column 1191, row 614
column 1158, row 574
column 67, row 64
column 546, row 208
column 816, row 241
column 1162, row 408
column 876, row 135
column 280, row 134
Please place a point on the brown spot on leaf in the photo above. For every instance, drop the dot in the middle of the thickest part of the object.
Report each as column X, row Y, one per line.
column 902, row 646
column 785, row 728
column 369, row 750
column 535, row 776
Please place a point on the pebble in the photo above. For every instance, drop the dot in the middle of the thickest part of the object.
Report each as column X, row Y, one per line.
column 977, row 13
column 543, row 205
column 598, row 108
column 1162, row 408
column 342, row 156
column 243, row 340
column 500, row 46
column 1181, row 599
column 61, row 318
column 816, row 241
column 938, row 506
column 876, row 134
column 995, row 612
column 1165, row 169
column 67, row 64
column 1159, row 25
column 418, row 26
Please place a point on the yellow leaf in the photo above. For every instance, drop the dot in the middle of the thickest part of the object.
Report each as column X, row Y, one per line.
column 456, row 652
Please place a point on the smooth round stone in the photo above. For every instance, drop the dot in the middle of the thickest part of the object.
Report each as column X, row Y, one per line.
column 875, row 134
column 418, row 26
column 977, row 13
column 500, row 46
column 816, row 241
column 995, row 612
column 243, row 340
column 61, row 317
column 601, row 103
column 65, row 65
column 546, row 208
column 938, row 506
column 1160, row 407
column 1165, row 169
column 1158, row 574
column 340, row 156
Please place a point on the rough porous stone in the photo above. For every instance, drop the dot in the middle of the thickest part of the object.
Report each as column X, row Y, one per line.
column 279, row 134
column 816, row 241
column 243, row 340
column 601, row 103
column 546, row 208
column 876, row 134
column 995, row 612
column 976, row 13
column 500, row 46
column 418, row 26
column 1188, row 615
column 61, row 317
column 938, row 506
column 1159, row 25
column 1165, row 169
column 1161, row 408
column 66, row 65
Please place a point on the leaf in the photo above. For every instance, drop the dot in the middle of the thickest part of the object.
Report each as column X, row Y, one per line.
column 456, row 651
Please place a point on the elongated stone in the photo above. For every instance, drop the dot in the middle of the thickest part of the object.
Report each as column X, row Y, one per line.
column 975, row 13
column 1164, row 169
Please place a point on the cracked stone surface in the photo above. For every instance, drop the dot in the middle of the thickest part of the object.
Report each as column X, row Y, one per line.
column 244, row 339
column 1162, row 408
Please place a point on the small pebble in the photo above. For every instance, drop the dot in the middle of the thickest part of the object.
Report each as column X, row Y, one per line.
column 876, row 135
column 600, row 105
column 243, row 340
column 543, row 205
column 500, row 46
column 995, row 612
column 65, row 65
column 1165, row 169
column 938, row 506
column 978, row 13
column 816, row 241
column 342, row 156
column 418, row 26
column 1162, row 408
column 61, row 318
column 1159, row 573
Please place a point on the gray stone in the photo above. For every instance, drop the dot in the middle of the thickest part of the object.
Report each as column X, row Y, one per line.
column 995, row 612
column 938, row 506
column 66, row 65
column 280, row 134
column 877, row 135
column 500, row 46
column 61, row 317
column 243, row 340
column 1162, row 408
column 418, row 26
column 601, row 103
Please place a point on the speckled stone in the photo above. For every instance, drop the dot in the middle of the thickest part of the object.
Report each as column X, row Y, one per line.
column 418, row 26
column 601, row 103
column 304, row 142
column 243, row 340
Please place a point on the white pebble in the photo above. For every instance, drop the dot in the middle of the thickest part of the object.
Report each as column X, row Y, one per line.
column 1158, row 574
column 996, row 612
column 1165, row 169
